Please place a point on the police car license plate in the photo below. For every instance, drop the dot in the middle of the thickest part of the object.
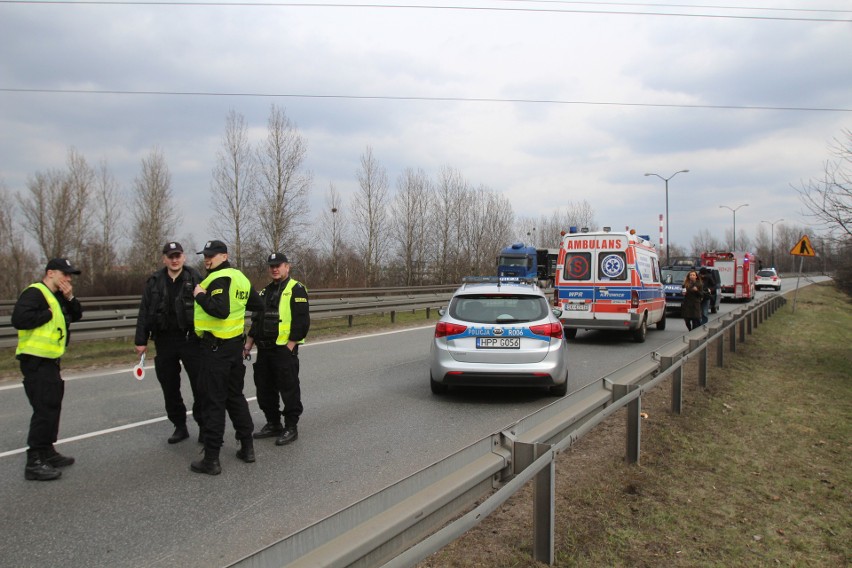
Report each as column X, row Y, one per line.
column 577, row 307
column 498, row 342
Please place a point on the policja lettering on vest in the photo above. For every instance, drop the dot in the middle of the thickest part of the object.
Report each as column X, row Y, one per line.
column 278, row 331
column 41, row 316
column 221, row 300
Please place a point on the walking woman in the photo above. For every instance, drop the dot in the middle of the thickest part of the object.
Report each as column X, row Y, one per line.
column 692, row 295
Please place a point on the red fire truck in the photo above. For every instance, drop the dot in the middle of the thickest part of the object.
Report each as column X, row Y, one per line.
column 737, row 271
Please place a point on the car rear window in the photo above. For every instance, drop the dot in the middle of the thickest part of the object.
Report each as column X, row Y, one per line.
column 498, row 308
column 769, row 273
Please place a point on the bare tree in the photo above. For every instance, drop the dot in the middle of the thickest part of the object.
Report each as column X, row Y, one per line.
column 548, row 229
column 449, row 195
column 81, row 180
column 369, row 212
column 283, row 185
column 494, row 232
column 829, row 199
column 19, row 264
column 330, row 232
column 104, row 241
column 234, row 188
column 410, row 214
column 155, row 218
column 704, row 241
column 55, row 206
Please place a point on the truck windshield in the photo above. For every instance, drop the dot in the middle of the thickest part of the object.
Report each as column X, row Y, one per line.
column 513, row 261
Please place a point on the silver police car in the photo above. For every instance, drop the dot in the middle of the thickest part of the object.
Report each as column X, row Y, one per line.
column 499, row 332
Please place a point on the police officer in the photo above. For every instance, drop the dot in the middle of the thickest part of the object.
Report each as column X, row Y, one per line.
column 166, row 316
column 220, row 310
column 41, row 316
column 277, row 331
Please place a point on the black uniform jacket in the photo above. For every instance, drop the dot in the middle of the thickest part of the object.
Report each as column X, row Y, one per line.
column 166, row 304
column 299, row 310
column 32, row 311
column 219, row 305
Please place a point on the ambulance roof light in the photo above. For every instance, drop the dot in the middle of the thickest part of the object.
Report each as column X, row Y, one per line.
column 572, row 230
column 584, row 230
column 607, row 229
column 632, row 231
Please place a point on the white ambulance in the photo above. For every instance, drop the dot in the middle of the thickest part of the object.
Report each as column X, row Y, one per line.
column 609, row 281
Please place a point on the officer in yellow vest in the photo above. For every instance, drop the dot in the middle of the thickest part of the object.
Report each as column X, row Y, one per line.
column 41, row 316
column 277, row 331
column 221, row 300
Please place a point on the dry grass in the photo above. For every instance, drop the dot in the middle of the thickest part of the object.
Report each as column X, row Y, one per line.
column 754, row 472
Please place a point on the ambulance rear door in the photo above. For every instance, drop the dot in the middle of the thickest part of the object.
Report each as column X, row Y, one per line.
column 595, row 280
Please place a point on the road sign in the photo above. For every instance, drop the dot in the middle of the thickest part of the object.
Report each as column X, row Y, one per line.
column 803, row 247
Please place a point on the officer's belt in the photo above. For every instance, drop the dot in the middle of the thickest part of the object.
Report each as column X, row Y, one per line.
column 210, row 340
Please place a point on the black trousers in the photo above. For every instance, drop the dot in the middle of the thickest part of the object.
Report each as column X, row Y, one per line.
column 45, row 390
column 221, row 377
column 172, row 350
column 276, row 372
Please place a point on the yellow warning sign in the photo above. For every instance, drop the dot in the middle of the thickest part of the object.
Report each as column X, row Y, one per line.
column 803, row 247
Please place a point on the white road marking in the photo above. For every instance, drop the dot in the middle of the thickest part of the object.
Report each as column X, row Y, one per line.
column 164, row 418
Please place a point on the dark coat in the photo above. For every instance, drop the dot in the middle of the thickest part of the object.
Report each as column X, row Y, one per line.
column 691, row 306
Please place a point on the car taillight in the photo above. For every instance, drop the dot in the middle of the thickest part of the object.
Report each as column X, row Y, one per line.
column 634, row 299
column 774, row 278
column 443, row 329
column 553, row 330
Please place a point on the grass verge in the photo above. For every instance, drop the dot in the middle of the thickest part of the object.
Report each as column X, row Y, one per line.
column 754, row 472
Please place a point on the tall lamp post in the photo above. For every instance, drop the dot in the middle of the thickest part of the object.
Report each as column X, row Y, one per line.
column 735, row 220
column 666, row 179
column 772, row 250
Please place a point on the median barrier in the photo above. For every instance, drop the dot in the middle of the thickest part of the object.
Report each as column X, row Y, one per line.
column 115, row 323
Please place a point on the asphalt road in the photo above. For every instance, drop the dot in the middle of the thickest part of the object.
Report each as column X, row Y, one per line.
column 370, row 420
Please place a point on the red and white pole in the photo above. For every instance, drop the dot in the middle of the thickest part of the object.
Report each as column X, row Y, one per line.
column 661, row 230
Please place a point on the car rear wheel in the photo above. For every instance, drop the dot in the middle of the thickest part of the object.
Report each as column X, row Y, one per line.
column 437, row 388
column 661, row 325
column 559, row 390
column 640, row 332
column 570, row 332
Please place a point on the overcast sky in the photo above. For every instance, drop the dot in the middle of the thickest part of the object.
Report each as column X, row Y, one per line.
column 545, row 102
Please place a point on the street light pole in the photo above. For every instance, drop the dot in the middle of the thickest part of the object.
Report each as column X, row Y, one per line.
column 734, row 248
column 772, row 250
column 666, row 179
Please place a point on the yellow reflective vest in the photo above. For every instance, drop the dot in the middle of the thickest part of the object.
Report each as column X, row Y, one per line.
column 285, row 315
column 47, row 340
column 234, row 324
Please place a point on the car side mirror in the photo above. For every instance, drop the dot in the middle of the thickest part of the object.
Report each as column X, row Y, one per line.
column 557, row 311
column 442, row 311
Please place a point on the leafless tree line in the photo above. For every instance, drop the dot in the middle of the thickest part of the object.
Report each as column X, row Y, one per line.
column 425, row 229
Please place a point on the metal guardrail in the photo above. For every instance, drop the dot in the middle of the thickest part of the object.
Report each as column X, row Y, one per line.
column 115, row 317
column 432, row 507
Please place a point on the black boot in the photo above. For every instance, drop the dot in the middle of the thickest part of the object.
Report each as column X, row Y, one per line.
column 269, row 430
column 180, row 434
column 38, row 469
column 54, row 458
column 209, row 464
column 288, row 435
column 246, row 451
